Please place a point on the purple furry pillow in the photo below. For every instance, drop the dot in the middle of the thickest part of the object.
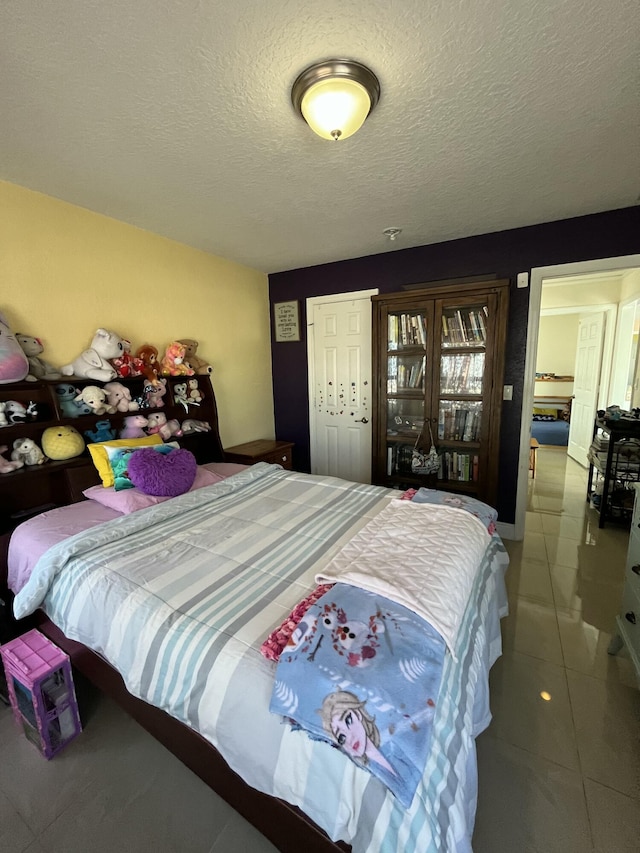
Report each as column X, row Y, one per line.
column 159, row 474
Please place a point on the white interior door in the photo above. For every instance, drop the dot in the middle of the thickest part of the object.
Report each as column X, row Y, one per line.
column 339, row 344
column 586, row 385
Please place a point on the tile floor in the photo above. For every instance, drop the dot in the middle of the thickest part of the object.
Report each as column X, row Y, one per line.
column 559, row 776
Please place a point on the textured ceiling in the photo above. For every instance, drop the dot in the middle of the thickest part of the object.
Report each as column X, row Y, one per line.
column 175, row 116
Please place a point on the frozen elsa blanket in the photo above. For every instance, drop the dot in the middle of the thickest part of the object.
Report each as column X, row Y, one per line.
column 363, row 674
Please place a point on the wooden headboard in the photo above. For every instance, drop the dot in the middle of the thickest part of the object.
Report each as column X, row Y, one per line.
column 32, row 489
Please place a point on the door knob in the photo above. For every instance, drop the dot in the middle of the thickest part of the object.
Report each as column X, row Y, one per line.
column 630, row 617
column 636, row 569
column 362, row 421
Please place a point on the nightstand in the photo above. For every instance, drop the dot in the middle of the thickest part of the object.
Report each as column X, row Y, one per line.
column 262, row 450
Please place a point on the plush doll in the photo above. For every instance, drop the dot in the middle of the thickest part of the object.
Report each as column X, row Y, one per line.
column 94, row 363
column 3, row 417
column 154, row 393
column 195, row 394
column 190, row 426
column 62, row 442
column 17, row 413
column 158, row 423
column 119, row 396
column 180, row 390
column 96, row 398
column 5, row 465
column 134, row 426
column 69, row 408
column 197, row 364
column 148, row 355
column 14, row 364
column 173, row 362
column 128, row 365
column 102, row 432
column 27, row 451
column 38, row 367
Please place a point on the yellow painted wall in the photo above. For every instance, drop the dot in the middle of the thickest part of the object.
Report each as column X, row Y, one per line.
column 65, row 271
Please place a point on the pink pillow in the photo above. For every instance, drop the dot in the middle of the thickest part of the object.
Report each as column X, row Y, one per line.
column 131, row 500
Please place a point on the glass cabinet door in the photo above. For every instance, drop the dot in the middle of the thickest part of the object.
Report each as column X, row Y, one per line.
column 458, row 402
column 406, row 371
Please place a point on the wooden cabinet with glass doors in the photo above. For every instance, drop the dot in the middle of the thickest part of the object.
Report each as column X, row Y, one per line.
column 438, row 374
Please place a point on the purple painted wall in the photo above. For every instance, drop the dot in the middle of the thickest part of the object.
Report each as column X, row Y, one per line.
column 503, row 254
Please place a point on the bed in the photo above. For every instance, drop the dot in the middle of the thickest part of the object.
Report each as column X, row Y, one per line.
column 550, row 421
column 178, row 642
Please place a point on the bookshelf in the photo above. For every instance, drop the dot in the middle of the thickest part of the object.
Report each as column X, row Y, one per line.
column 439, row 364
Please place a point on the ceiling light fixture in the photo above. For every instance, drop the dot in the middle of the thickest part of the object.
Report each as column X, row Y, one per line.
column 335, row 97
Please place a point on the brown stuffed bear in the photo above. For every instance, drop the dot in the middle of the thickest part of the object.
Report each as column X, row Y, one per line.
column 197, row 364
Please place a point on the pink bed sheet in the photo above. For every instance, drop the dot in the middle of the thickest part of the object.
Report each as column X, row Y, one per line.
column 33, row 537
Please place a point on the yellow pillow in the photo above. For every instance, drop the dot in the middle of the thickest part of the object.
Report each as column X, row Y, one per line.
column 538, row 411
column 101, row 460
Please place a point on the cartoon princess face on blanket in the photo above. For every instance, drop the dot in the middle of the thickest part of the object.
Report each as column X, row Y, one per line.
column 346, row 719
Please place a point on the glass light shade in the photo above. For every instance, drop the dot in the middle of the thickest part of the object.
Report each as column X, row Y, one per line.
column 335, row 108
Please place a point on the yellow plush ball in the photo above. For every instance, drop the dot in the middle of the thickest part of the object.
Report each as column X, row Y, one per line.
column 62, row 442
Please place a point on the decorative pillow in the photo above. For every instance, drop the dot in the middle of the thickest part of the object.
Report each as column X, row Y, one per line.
column 538, row 411
column 99, row 454
column 158, row 474
column 119, row 458
column 545, row 418
column 131, row 500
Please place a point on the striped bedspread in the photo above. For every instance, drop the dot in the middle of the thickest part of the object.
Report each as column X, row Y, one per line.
column 179, row 597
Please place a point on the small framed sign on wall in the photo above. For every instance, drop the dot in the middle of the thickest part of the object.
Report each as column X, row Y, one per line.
column 286, row 317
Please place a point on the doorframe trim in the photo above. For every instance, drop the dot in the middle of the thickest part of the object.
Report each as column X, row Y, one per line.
column 311, row 302
column 536, row 277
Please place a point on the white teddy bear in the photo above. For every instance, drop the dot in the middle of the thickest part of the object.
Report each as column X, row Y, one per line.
column 27, row 451
column 93, row 363
column 96, row 399
column 38, row 367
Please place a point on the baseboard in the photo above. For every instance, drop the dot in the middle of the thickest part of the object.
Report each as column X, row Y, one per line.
column 506, row 531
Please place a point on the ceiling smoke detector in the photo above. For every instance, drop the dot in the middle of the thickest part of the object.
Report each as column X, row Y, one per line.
column 392, row 233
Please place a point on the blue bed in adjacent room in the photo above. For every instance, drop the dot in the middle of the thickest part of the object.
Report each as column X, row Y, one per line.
column 549, row 430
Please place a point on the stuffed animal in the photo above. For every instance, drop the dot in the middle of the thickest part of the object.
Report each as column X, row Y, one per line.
column 134, row 426
column 190, row 426
column 96, row 398
column 38, row 367
column 5, row 466
column 173, row 362
column 154, row 393
column 14, row 364
column 195, row 394
column 27, row 451
column 62, row 442
column 180, row 394
column 3, row 417
column 69, row 408
column 94, row 362
column 102, row 432
column 119, row 396
column 17, row 413
column 128, row 365
column 197, row 364
column 148, row 355
column 158, row 423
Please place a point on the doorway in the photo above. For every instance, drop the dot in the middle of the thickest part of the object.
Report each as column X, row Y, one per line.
column 538, row 276
column 340, row 391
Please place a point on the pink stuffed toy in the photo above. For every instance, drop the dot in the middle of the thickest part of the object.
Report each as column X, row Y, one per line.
column 14, row 365
column 158, row 423
column 119, row 396
column 5, row 466
column 173, row 363
column 134, row 426
column 154, row 392
column 128, row 365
